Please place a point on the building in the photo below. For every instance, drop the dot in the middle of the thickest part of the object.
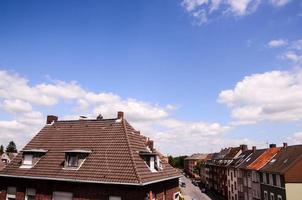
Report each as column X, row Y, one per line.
column 89, row 159
column 7, row 157
column 252, row 175
column 244, row 181
column 191, row 161
column 281, row 177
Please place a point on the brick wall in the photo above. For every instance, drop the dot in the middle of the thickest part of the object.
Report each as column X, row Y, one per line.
column 84, row 191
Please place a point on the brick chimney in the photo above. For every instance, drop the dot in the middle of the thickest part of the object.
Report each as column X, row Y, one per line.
column 51, row 118
column 150, row 144
column 120, row 115
column 284, row 144
column 254, row 149
column 243, row 147
column 272, row 146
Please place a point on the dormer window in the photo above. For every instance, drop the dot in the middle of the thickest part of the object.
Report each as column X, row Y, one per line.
column 152, row 160
column 75, row 158
column 31, row 157
column 72, row 160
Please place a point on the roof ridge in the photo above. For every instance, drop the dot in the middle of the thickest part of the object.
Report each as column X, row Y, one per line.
column 130, row 151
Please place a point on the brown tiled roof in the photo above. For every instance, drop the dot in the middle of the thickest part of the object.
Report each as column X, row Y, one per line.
column 232, row 153
column 2, row 165
column 114, row 156
column 285, row 158
column 251, row 158
column 197, row 156
column 264, row 158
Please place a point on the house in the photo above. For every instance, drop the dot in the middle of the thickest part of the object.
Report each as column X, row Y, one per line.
column 7, row 157
column 205, row 173
column 233, row 173
column 252, row 176
column 191, row 161
column 281, row 177
column 218, row 172
column 105, row 159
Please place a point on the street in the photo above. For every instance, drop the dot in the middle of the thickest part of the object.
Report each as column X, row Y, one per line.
column 191, row 191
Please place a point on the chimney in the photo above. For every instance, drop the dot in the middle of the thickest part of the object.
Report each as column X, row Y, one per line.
column 254, row 149
column 243, row 147
column 120, row 115
column 272, row 146
column 284, row 144
column 51, row 119
column 150, row 144
column 99, row 117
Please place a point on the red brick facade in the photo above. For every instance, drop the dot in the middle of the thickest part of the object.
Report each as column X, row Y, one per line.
column 87, row 191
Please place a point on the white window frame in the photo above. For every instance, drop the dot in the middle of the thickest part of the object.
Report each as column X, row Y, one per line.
column 272, row 196
column 30, row 192
column 176, row 197
column 279, row 197
column 265, row 195
column 12, row 196
column 271, row 181
column 264, row 179
column 278, row 180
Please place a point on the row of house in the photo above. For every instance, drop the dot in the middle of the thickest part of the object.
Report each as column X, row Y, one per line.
column 239, row 173
column 105, row 159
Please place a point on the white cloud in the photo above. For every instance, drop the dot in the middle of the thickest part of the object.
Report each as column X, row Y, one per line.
column 272, row 96
column 277, row 43
column 203, row 10
column 280, row 3
column 16, row 106
column 21, row 100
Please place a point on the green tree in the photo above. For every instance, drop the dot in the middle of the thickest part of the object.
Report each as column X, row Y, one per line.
column 177, row 162
column 1, row 149
column 11, row 147
column 198, row 167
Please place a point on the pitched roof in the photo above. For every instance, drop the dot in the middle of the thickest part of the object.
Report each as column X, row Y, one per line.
column 250, row 158
column 114, row 157
column 232, row 153
column 285, row 158
column 241, row 158
column 197, row 156
column 264, row 158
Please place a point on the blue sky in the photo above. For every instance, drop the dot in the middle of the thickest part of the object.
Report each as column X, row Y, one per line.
column 168, row 61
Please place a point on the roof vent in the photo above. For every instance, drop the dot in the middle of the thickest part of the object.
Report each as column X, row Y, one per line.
column 284, row 144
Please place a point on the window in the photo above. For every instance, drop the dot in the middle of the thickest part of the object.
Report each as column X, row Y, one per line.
column 278, row 181
column 115, row 198
column 231, row 176
column 62, row 196
column 272, row 196
column 30, row 194
column 72, row 160
column 235, row 173
column 236, row 198
column 11, row 193
column 270, row 179
column 176, row 196
column 28, row 159
column 279, row 197
column 235, row 185
column 265, row 195
column 264, row 178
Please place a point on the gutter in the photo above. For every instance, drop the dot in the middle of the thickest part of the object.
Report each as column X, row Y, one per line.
column 83, row 181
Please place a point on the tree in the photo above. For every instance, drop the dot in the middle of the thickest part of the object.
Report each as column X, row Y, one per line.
column 11, row 147
column 1, row 149
column 198, row 167
column 177, row 162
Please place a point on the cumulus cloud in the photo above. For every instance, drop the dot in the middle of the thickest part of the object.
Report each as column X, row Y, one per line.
column 280, row 3
column 277, row 43
column 203, row 10
column 21, row 102
column 272, row 96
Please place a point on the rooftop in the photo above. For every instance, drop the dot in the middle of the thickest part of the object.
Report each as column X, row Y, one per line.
column 113, row 146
